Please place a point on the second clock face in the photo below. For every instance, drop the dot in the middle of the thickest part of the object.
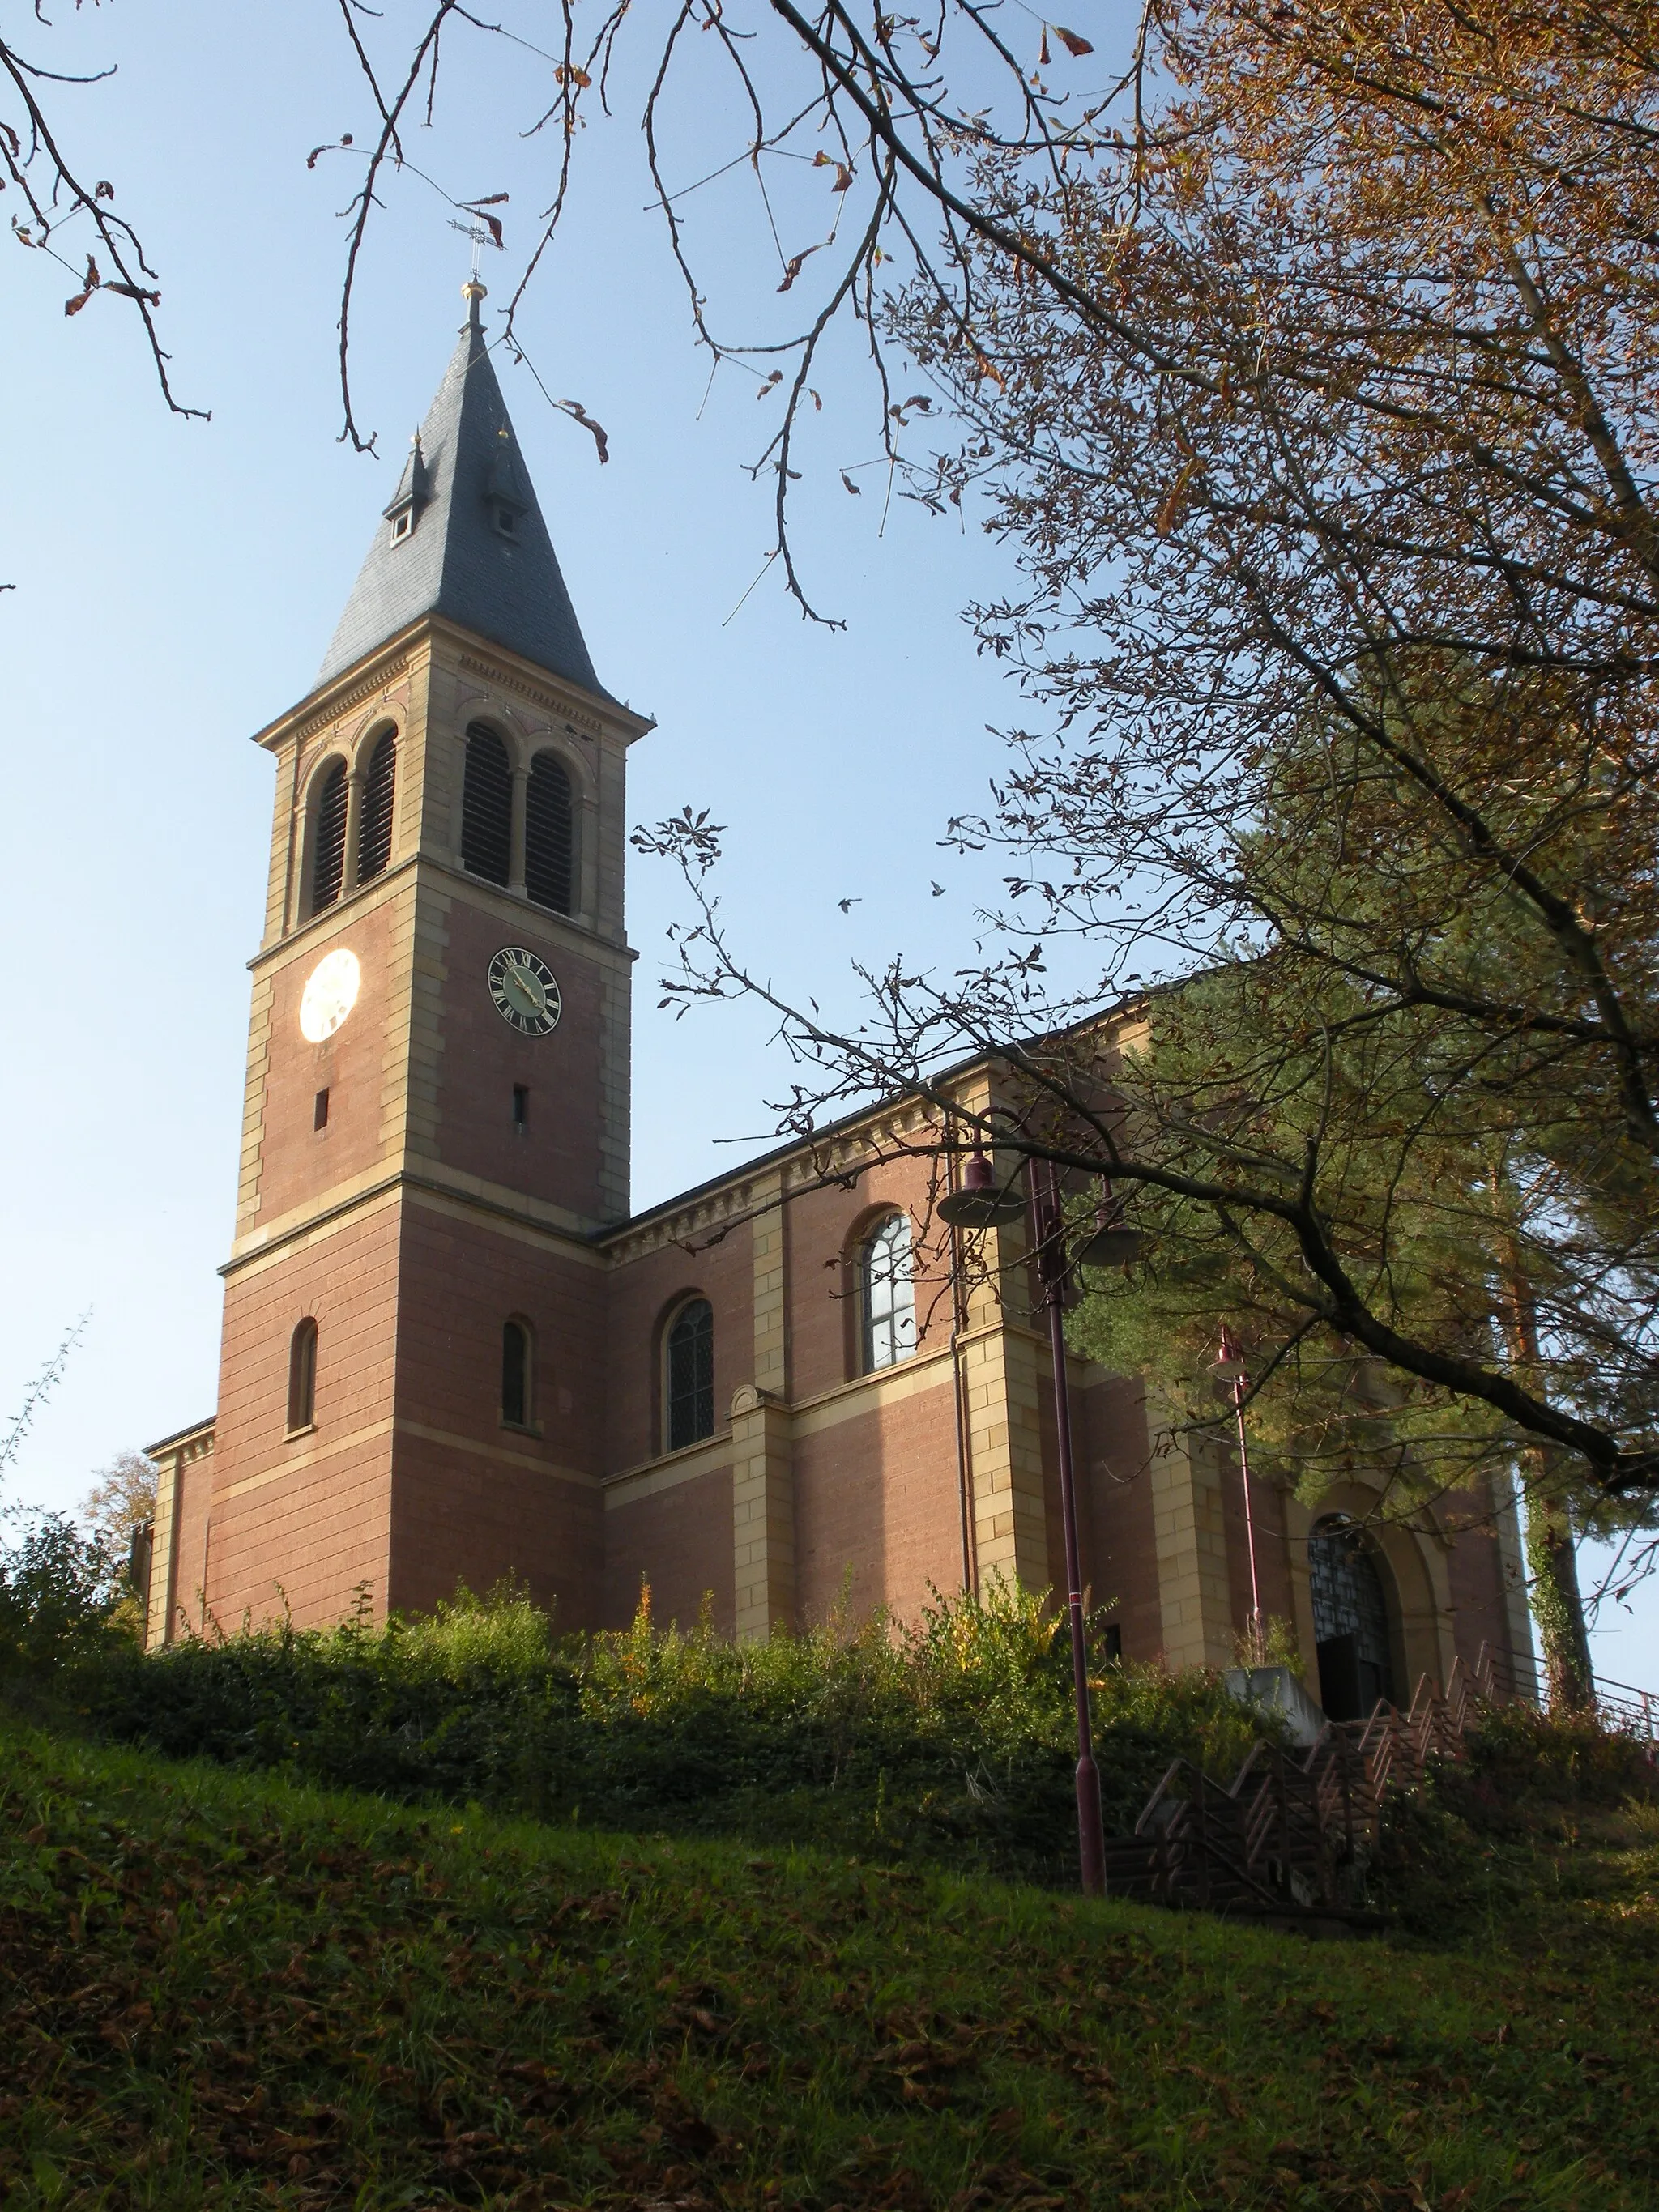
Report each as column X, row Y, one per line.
column 525, row 990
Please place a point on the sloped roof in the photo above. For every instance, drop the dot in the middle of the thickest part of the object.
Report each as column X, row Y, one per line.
column 455, row 560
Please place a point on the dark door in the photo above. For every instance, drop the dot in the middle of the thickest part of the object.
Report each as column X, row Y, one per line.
column 1350, row 1623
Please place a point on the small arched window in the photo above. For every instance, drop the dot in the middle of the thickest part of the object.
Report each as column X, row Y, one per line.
column 303, row 1375
column 550, row 835
column 690, row 1375
column 886, row 1294
column 487, row 806
column 1350, row 1621
column 328, row 838
column 516, row 1402
column 374, row 838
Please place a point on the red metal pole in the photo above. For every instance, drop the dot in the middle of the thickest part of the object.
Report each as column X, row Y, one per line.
column 1051, row 1267
column 1230, row 1353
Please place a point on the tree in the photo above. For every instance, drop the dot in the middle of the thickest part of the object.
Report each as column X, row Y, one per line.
column 1320, row 413
column 122, row 1498
column 65, row 203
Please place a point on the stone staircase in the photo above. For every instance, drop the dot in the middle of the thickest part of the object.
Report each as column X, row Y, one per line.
column 1286, row 1839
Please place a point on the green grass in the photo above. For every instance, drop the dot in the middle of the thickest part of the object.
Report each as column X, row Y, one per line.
column 224, row 1989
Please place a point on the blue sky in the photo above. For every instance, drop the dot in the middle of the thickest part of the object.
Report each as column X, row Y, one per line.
column 177, row 583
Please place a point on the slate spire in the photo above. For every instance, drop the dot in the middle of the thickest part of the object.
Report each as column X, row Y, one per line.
column 463, row 536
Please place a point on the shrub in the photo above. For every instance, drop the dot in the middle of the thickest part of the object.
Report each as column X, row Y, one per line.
column 953, row 1738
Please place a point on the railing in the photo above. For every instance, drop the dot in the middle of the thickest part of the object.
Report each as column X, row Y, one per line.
column 1287, row 1833
column 1623, row 1706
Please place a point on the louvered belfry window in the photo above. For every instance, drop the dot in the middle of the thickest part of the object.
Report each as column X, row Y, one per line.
column 549, row 840
column 374, row 839
column 328, row 847
column 487, row 806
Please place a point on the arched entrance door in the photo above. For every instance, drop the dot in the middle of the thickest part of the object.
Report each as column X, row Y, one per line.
column 1351, row 1622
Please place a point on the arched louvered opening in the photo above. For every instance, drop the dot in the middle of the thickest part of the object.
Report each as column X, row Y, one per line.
column 303, row 1375
column 549, row 843
column 515, row 1373
column 328, row 838
column 374, row 838
column 487, row 806
column 691, row 1377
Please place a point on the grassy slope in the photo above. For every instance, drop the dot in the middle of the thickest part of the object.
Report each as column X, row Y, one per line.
column 222, row 1989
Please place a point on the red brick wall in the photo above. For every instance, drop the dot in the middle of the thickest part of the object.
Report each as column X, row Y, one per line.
column 679, row 1541
column 1120, row 1554
column 1475, row 1570
column 879, row 1494
column 641, row 1296
column 320, row 1527
column 824, row 1316
column 558, row 1157
column 475, row 1500
column 299, row 1161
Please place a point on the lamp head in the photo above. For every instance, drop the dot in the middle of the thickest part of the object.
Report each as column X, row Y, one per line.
column 979, row 1204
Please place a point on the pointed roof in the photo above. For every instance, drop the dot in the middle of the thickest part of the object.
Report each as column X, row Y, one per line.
column 475, row 548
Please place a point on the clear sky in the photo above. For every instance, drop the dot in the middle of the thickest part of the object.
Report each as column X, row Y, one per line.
column 177, row 583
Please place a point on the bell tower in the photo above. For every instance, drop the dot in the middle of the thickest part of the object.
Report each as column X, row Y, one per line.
column 435, row 1120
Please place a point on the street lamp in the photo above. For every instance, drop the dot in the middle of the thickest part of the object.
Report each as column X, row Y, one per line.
column 1230, row 1364
column 979, row 1204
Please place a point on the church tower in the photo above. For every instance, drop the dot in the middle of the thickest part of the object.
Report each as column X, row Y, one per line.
column 435, row 1124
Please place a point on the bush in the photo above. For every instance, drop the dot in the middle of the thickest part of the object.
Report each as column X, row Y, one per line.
column 60, row 1593
column 950, row 1740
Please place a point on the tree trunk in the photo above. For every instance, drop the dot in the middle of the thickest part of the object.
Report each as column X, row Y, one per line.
column 1557, row 1607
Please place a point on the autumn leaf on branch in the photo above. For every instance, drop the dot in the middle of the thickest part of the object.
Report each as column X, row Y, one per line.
column 1074, row 44
column 92, row 280
column 791, row 268
column 578, row 413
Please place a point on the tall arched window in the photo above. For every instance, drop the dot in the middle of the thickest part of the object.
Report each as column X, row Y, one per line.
column 303, row 1375
column 1350, row 1621
column 515, row 1373
column 374, row 837
column 886, row 1294
column 549, row 845
column 487, row 806
column 691, row 1377
column 328, row 838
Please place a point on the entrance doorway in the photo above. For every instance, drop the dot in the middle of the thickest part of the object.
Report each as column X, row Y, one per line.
column 1351, row 1622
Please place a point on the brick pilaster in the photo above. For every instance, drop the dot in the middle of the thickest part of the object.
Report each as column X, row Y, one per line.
column 763, row 1514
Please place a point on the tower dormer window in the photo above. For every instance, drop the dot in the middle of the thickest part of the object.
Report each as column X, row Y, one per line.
column 506, row 522
column 401, row 525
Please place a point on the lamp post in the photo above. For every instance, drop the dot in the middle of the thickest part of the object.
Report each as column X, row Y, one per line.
column 979, row 1204
column 1230, row 1363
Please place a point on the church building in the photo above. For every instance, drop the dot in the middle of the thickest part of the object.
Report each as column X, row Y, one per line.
column 452, row 1352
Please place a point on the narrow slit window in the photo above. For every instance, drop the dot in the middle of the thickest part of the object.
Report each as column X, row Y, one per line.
column 515, row 1375
column 320, row 1111
column 521, row 1106
column 691, row 1378
column 303, row 1375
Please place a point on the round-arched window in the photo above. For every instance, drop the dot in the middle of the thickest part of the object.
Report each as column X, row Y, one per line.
column 515, row 1373
column 690, row 1378
column 1351, row 1622
column 886, row 1293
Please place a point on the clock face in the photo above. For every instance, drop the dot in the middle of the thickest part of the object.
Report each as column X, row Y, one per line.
column 525, row 990
column 331, row 993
